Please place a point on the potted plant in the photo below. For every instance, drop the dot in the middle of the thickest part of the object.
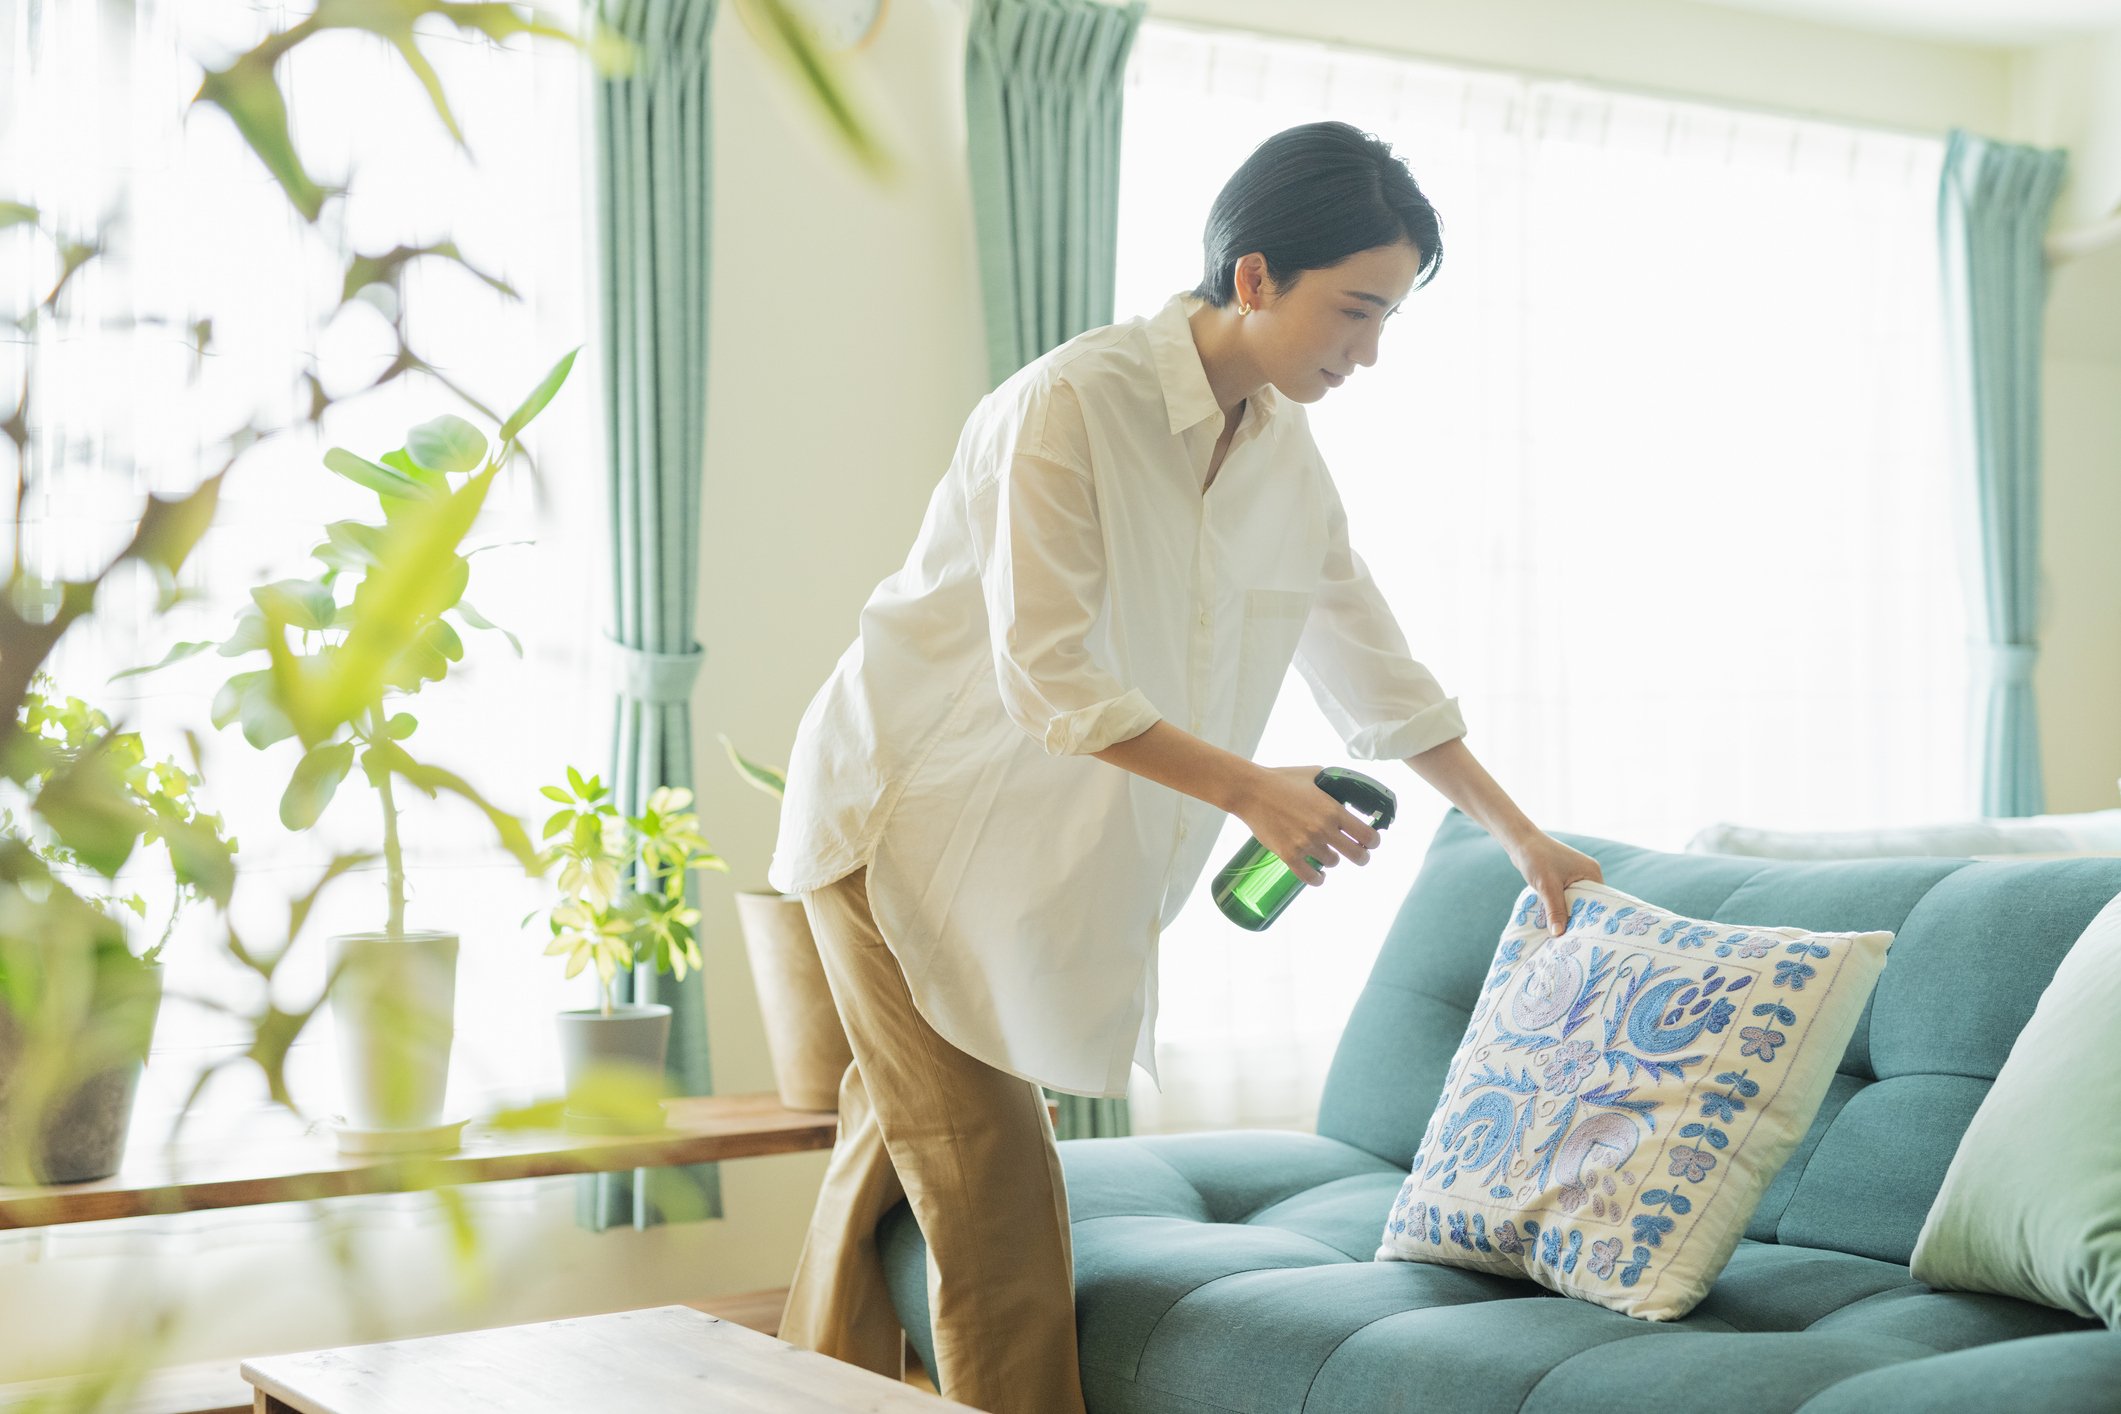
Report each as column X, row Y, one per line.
column 804, row 1034
column 373, row 627
column 622, row 900
column 79, row 1003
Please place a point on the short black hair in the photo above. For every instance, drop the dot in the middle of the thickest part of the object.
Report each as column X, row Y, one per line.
column 1308, row 198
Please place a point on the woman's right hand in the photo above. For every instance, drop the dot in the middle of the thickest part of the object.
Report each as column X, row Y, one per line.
column 1291, row 816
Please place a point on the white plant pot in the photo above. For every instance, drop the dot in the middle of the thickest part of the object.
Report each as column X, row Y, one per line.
column 804, row 1034
column 629, row 1045
column 393, row 1012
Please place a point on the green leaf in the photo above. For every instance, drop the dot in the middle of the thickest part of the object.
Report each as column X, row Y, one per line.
column 14, row 213
column 555, row 793
column 446, row 444
column 432, row 480
column 476, row 619
column 574, row 778
column 404, row 591
column 556, row 822
column 387, row 482
column 228, row 702
column 455, row 576
column 539, row 396
column 445, row 641
column 263, row 721
column 249, row 636
column 249, row 698
column 349, row 545
column 176, row 654
column 301, row 602
column 316, row 777
column 86, row 804
column 247, row 91
column 771, row 782
column 400, row 725
column 793, row 43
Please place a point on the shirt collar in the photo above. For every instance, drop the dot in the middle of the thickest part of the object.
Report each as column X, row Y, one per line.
column 1187, row 397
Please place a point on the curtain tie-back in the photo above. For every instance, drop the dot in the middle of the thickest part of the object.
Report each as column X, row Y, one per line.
column 657, row 678
column 2013, row 662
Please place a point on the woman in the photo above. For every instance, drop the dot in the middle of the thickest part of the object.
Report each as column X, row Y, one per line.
column 1014, row 776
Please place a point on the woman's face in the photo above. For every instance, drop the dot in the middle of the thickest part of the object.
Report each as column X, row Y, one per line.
column 1308, row 338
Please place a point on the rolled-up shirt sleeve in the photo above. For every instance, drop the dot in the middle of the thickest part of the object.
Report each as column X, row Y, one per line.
column 1042, row 571
column 1384, row 704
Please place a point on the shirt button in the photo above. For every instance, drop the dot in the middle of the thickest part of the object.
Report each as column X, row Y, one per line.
column 1203, row 618
column 1181, row 829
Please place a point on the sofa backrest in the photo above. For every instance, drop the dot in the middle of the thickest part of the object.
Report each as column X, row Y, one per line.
column 1975, row 945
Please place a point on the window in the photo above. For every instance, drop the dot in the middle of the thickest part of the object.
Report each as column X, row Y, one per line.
column 96, row 126
column 1654, row 476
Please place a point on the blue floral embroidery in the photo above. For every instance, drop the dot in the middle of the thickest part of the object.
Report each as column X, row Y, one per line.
column 1662, row 1198
column 1650, row 1228
column 1550, row 1246
column 1507, row 1241
column 1632, row 1273
column 1793, row 974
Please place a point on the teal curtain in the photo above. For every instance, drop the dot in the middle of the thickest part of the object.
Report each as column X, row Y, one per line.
column 1992, row 215
column 1043, row 85
column 651, row 153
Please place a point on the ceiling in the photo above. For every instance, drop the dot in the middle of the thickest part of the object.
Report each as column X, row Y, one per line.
column 1994, row 22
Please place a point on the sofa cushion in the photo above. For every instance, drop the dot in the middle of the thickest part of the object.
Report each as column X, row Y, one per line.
column 2031, row 1206
column 1227, row 1272
column 1630, row 1082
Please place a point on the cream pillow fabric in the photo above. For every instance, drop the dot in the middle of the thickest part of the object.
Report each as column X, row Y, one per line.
column 1625, row 1092
column 2031, row 1206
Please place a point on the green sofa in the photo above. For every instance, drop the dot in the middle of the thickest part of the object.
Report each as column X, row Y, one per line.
column 1233, row 1271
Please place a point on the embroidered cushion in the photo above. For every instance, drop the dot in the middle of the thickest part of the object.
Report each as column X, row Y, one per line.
column 2031, row 1206
column 1626, row 1089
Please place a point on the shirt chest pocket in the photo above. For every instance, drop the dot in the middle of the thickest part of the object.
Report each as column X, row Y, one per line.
column 1274, row 621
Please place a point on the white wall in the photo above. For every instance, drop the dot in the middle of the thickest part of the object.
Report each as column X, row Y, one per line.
column 2069, row 95
column 847, row 351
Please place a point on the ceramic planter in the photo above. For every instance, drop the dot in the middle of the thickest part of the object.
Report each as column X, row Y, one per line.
column 803, row 1030
column 635, row 1038
column 81, row 1133
column 393, row 1011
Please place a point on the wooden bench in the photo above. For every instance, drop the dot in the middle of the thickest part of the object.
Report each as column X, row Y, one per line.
column 668, row 1360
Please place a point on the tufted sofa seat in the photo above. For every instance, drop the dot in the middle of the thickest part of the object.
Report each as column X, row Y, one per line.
column 1232, row 1271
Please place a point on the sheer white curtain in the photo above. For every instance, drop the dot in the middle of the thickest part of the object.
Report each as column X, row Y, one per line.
column 1653, row 475
column 96, row 126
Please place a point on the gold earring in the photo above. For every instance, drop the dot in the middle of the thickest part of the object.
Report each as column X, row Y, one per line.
column 1243, row 308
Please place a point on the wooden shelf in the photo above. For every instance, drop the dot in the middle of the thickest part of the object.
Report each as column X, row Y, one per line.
column 290, row 1168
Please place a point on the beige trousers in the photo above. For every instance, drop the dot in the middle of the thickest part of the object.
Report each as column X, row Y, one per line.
column 971, row 1149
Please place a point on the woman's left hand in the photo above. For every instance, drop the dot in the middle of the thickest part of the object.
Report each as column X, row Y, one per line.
column 1550, row 866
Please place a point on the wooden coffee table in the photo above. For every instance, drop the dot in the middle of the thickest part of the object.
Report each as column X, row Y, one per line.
column 670, row 1358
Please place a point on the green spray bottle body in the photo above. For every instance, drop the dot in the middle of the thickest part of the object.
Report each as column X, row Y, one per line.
column 1255, row 886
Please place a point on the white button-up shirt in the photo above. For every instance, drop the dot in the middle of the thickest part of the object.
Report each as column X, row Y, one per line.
column 1071, row 583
